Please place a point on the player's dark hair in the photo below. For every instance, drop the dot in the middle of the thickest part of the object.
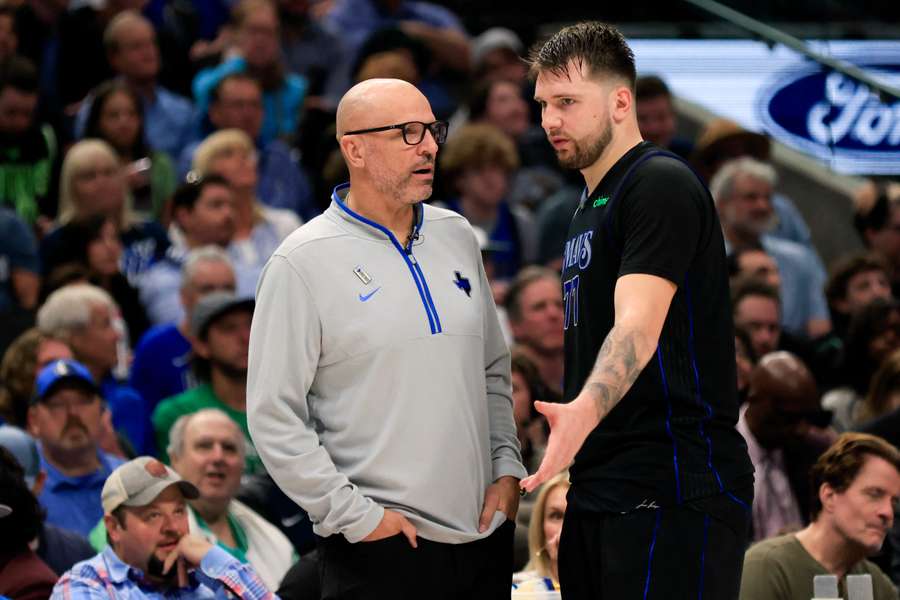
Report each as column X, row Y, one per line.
column 596, row 46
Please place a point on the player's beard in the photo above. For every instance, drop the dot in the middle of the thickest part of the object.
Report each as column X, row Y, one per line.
column 583, row 157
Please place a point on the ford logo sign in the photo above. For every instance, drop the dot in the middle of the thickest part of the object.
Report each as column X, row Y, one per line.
column 835, row 118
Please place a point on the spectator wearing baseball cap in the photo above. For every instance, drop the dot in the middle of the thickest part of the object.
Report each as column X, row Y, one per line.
column 151, row 554
column 58, row 547
column 65, row 417
column 220, row 332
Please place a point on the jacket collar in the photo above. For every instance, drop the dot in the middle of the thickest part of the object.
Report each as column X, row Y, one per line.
column 362, row 226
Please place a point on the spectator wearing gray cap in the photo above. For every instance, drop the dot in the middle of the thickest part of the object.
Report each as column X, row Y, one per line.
column 58, row 547
column 161, row 366
column 65, row 417
column 151, row 553
column 207, row 449
column 220, row 336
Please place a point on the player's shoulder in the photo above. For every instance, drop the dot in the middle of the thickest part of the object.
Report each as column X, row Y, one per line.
column 664, row 168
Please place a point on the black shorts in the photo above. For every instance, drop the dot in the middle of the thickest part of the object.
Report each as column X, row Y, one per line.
column 691, row 552
column 391, row 569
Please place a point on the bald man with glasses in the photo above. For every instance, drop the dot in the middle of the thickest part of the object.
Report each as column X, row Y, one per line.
column 379, row 384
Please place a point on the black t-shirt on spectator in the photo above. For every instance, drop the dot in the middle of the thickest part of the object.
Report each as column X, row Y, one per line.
column 671, row 439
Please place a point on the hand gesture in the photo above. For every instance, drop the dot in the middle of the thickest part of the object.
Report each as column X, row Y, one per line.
column 570, row 425
column 502, row 495
column 188, row 553
column 393, row 523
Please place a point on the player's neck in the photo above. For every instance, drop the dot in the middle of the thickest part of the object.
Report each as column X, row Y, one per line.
column 622, row 142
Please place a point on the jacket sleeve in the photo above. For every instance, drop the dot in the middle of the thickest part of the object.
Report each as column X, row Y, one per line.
column 506, row 456
column 285, row 345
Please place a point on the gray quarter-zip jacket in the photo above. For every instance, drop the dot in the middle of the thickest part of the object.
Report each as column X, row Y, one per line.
column 379, row 377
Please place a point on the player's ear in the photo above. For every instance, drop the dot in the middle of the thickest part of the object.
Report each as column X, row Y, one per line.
column 621, row 102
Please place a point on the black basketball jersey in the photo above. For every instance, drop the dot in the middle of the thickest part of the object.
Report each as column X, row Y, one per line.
column 671, row 438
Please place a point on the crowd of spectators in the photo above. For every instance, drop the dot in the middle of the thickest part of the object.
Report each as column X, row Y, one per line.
column 152, row 157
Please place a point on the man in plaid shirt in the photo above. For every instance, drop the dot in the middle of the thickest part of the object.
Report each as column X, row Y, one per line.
column 151, row 554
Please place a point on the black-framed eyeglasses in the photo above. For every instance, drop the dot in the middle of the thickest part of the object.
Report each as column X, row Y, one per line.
column 413, row 131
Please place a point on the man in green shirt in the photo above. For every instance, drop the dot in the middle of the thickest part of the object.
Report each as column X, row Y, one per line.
column 858, row 482
column 220, row 331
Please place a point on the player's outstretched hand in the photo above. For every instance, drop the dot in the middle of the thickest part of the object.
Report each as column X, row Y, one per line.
column 570, row 425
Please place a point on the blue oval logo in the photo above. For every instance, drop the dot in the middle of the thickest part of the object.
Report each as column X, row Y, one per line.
column 835, row 118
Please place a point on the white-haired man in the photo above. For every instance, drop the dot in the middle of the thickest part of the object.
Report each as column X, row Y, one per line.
column 162, row 359
column 207, row 448
column 84, row 316
column 742, row 189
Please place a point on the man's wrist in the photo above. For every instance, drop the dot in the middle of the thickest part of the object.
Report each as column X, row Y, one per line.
column 586, row 405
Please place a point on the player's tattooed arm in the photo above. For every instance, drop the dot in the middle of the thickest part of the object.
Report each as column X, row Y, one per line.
column 622, row 357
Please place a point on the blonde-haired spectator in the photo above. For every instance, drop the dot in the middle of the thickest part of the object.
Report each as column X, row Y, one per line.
column 259, row 229
column 479, row 161
column 92, row 183
column 544, row 530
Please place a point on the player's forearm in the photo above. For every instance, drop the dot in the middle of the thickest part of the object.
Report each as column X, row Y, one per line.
column 624, row 354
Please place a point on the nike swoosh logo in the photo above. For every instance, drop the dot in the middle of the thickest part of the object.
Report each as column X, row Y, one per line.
column 369, row 295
